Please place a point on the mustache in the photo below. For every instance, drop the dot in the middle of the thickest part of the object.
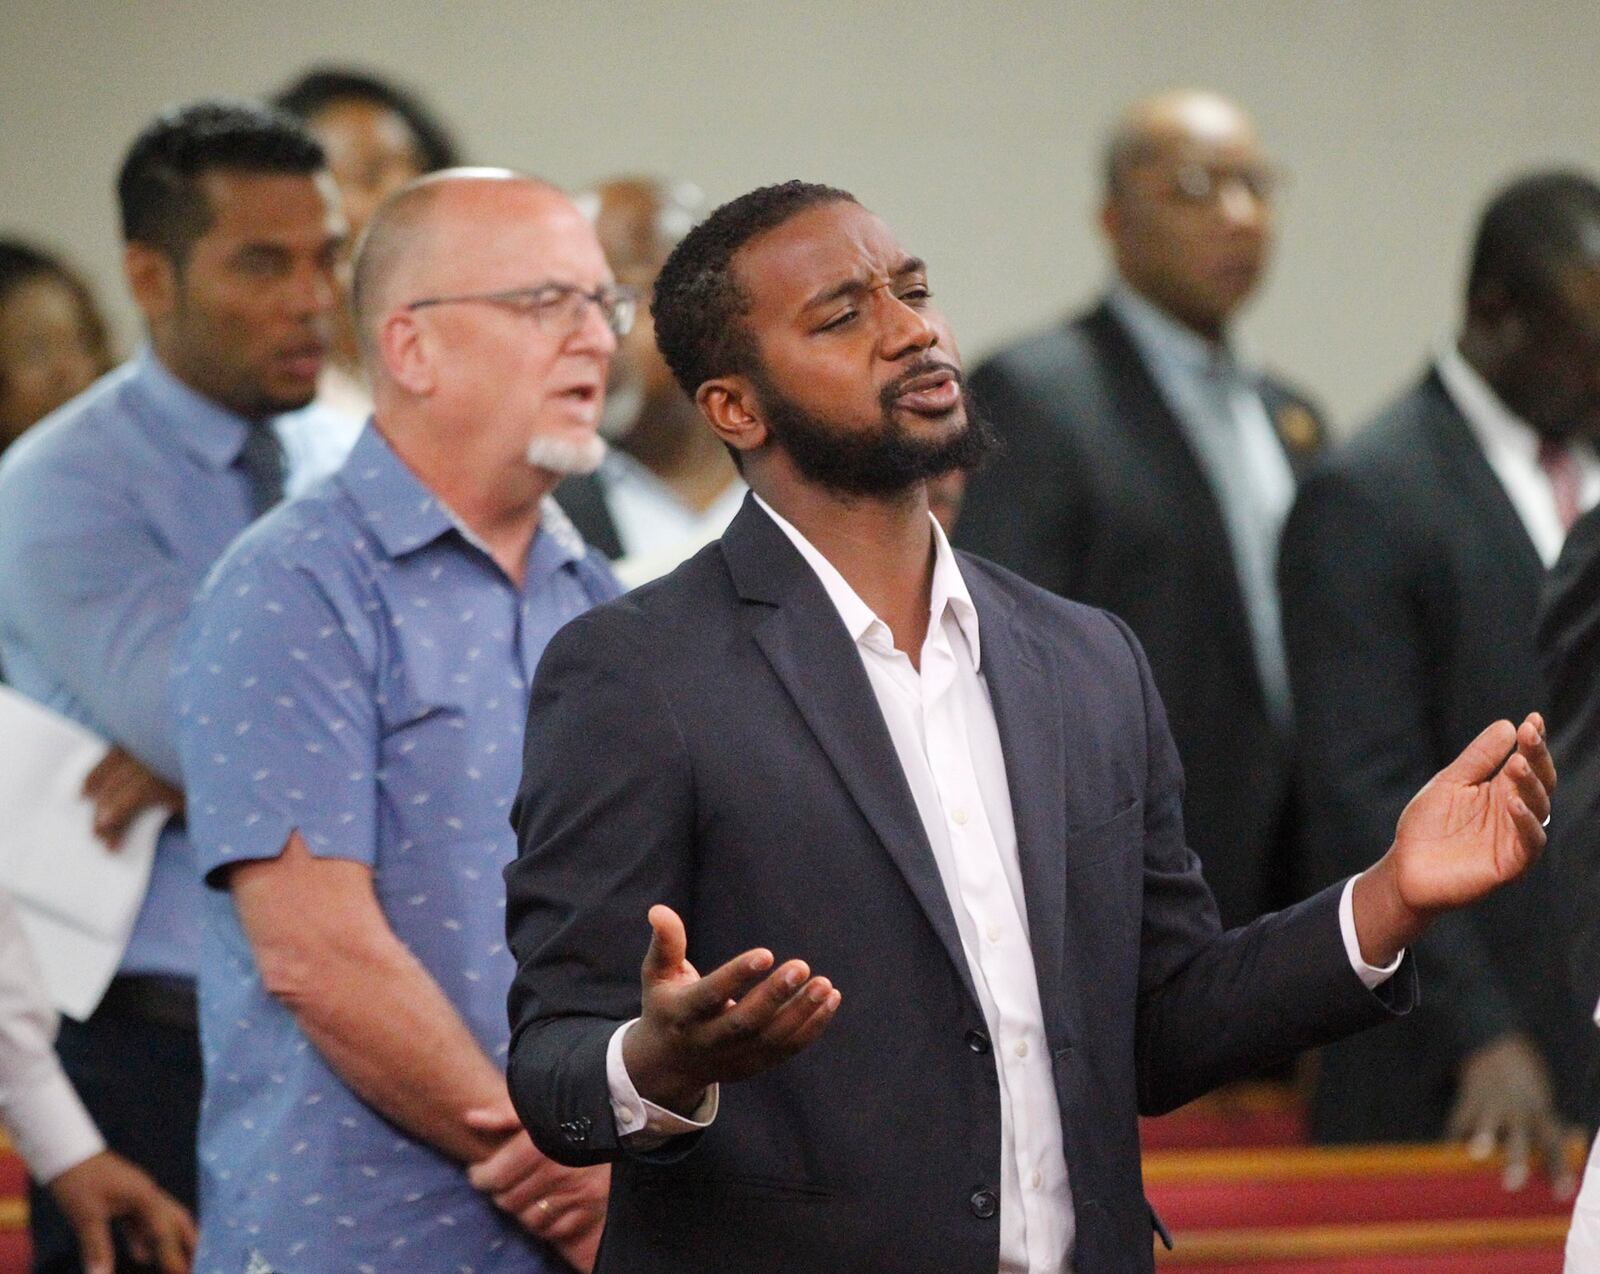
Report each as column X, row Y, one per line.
column 896, row 387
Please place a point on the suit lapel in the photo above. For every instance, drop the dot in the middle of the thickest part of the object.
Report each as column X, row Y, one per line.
column 1175, row 471
column 1028, row 713
column 812, row 655
column 1461, row 452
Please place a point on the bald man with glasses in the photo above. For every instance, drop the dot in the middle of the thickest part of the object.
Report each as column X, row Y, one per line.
column 1149, row 465
column 352, row 704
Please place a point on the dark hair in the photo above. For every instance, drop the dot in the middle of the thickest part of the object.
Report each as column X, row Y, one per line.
column 698, row 305
column 325, row 86
column 159, row 185
column 1530, row 230
column 22, row 263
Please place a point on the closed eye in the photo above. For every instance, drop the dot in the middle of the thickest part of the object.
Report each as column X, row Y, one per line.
column 838, row 321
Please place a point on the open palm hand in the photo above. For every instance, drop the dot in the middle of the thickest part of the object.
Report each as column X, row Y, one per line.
column 1478, row 823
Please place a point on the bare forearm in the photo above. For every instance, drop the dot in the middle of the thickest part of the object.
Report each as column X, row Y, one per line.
column 388, row 1031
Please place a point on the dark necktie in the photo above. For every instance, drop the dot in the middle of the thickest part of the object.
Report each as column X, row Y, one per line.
column 261, row 458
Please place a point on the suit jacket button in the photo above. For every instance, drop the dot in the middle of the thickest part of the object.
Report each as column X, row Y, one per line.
column 984, row 1204
column 978, row 1042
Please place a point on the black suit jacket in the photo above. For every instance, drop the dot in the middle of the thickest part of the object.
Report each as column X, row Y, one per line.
column 1569, row 651
column 711, row 741
column 1409, row 589
column 1099, row 497
column 583, row 499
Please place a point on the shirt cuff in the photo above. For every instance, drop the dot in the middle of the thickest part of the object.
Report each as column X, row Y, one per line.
column 1371, row 978
column 643, row 1124
column 50, row 1128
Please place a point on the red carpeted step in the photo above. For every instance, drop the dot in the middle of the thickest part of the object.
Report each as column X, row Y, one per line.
column 15, row 1255
column 1251, row 1114
column 1335, row 1210
column 1231, row 1189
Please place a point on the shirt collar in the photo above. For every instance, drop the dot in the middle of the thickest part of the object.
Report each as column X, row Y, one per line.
column 949, row 589
column 402, row 513
column 211, row 433
column 1161, row 338
column 405, row 516
column 1494, row 424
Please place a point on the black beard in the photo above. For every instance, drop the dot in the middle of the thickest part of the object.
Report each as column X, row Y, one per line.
column 885, row 461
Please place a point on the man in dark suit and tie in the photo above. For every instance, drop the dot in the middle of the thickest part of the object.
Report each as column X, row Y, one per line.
column 830, row 743
column 1147, row 470
column 1411, row 574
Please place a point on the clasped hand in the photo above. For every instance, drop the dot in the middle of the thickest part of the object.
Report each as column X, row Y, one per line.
column 737, row 1021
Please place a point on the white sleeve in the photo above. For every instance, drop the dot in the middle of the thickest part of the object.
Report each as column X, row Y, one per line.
column 642, row 1123
column 47, row 1121
column 1371, row 977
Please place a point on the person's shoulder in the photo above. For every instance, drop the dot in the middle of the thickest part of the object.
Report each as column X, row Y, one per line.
column 1384, row 454
column 1054, row 619
column 673, row 617
column 310, row 538
column 1057, row 349
column 91, row 433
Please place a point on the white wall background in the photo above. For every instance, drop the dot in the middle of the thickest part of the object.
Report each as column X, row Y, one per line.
column 974, row 129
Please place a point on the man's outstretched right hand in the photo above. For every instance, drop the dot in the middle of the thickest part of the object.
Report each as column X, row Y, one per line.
column 734, row 1022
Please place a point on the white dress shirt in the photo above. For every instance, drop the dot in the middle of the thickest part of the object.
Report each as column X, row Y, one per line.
column 1511, row 446
column 51, row 1129
column 657, row 530
column 942, row 724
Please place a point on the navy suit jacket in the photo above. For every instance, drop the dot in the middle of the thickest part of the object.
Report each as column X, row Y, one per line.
column 711, row 741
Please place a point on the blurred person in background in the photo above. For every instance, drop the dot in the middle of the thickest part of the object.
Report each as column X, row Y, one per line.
column 1148, row 465
column 53, row 340
column 351, row 693
column 377, row 136
column 1411, row 573
column 667, row 486
column 112, row 512
column 57, row 1139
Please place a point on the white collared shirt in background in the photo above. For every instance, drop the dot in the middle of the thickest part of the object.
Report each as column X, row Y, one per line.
column 942, row 724
column 657, row 530
column 47, row 1121
column 1511, row 446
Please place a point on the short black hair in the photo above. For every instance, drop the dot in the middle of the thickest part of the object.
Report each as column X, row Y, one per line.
column 159, row 189
column 1530, row 230
column 325, row 86
column 698, row 305
column 22, row 263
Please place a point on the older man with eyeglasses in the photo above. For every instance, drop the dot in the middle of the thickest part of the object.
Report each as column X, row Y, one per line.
column 352, row 698
column 1149, row 465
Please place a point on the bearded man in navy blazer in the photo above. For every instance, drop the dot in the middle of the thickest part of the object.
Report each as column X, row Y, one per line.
column 925, row 937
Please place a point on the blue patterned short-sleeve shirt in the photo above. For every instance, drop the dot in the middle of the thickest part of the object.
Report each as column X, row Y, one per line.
column 357, row 669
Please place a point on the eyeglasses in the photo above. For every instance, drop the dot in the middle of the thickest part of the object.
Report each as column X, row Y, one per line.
column 556, row 307
column 1200, row 184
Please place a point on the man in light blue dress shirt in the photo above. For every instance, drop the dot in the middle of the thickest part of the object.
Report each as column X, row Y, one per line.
column 112, row 511
column 352, row 693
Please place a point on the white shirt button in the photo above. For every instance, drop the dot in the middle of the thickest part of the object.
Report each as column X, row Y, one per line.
column 1021, row 1049
column 994, row 932
column 959, row 817
column 1038, row 1180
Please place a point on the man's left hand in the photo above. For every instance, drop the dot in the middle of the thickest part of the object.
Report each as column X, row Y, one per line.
column 1478, row 824
column 566, row 1207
